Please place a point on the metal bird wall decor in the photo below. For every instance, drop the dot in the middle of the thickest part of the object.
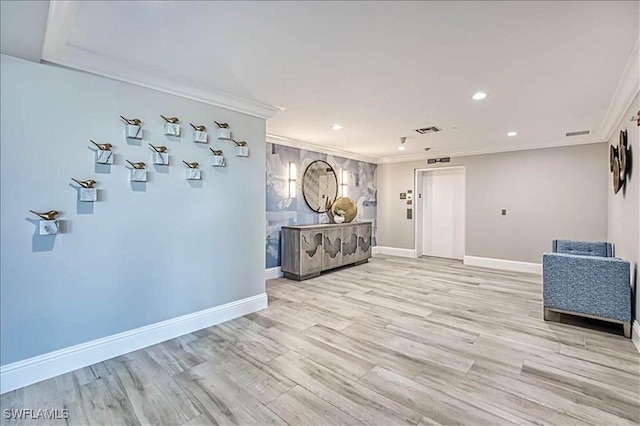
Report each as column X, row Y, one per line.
column 216, row 151
column 102, row 146
column 222, row 125
column 131, row 121
column 240, row 143
column 200, row 128
column 193, row 165
column 137, row 166
column 50, row 215
column 172, row 120
column 85, row 183
column 159, row 149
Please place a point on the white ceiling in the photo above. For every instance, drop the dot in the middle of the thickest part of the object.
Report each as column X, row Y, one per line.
column 381, row 69
column 18, row 39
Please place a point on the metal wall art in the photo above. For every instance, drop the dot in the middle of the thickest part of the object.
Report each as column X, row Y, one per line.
column 193, row 171
column 242, row 150
column 171, row 126
column 133, row 128
column 103, row 153
column 218, row 159
column 620, row 162
column 223, row 131
column 48, row 225
column 160, row 155
column 199, row 134
column 87, row 191
column 137, row 173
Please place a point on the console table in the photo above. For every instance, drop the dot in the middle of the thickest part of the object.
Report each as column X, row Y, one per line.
column 311, row 249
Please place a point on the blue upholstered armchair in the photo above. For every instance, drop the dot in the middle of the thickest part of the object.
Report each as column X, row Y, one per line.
column 583, row 278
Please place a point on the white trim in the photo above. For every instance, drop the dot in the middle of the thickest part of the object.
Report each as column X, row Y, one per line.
column 57, row 50
column 46, row 366
column 489, row 150
column 627, row 90
column 417, row 203
column 270, row 273
column 393, row 251
column 635, row 334
column 506, row 265
column 281, row 140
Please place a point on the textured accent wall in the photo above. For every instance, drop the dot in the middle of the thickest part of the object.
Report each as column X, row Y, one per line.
column 282, row 210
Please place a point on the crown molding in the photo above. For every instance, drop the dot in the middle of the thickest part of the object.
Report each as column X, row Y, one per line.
column 57, row 50
column 628, row 88
column 281, row 140
column 482, row 151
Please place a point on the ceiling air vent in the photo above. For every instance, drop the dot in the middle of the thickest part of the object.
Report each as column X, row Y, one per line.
column 439, row 160
column 425, row 130
column 580, row 133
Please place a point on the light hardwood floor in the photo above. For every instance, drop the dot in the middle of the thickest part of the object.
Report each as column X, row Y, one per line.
column 395, row 341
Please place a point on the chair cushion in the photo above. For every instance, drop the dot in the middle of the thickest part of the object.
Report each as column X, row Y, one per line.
column 583, row 248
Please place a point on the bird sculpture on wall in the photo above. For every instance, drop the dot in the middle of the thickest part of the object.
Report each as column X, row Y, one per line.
column 137, row 166
column 159, row 149
column 199, row 128
column 132, row 121
column 102, row 146
column 193, row 165
column 216, row 151
column 50, row 215
column 222, row 125
column 85, row 183
column 172, row 120
column 240, row 143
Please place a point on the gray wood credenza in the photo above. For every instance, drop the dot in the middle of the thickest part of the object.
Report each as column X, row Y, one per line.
column 311, row 249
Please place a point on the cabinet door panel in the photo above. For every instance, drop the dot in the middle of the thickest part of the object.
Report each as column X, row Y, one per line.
column 349, row 244
column 364, row 242
column 310, row 252
column 332, row 257
column 290, row 251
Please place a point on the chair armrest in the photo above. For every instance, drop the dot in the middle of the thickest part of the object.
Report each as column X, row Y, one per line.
column 598, row 286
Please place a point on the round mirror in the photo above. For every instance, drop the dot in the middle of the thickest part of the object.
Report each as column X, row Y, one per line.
column 319, row 186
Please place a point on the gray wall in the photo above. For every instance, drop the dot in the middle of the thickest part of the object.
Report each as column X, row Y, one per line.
column 548, row 193
column 624, row 207
column 282, row 210
column 137, row 257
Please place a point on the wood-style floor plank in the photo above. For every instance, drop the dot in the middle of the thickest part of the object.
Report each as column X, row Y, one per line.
column 394, row 341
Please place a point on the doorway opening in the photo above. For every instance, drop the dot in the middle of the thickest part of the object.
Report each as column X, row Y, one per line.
column 440, row 212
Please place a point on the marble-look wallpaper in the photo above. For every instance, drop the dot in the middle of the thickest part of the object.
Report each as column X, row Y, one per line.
column 282, row 210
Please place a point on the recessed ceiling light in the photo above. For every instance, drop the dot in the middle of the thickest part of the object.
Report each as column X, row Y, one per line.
column 336, row 127
column 401, row 148
column 479, row 96
column 512, row 134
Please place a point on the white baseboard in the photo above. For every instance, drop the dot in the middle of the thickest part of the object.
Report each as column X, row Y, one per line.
column 506, row 265
column 46, row 366
column 635, row 334
column 393, row 251
column 270, row 273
